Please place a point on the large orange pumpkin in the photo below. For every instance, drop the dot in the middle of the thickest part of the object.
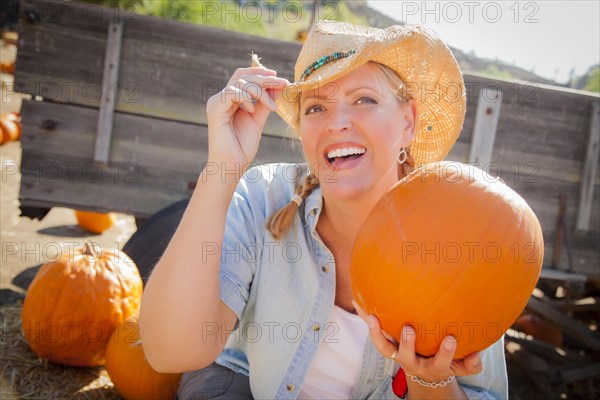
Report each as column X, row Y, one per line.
column 94, row 222
column 129, row 370
column 449, row 250
column 74, row 304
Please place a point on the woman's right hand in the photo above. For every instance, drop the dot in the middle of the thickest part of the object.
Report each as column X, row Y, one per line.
column 238, row 114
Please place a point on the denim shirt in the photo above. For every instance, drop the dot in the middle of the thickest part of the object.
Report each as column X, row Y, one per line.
column 283, row 292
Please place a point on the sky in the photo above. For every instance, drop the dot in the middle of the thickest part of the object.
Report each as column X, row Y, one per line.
column 549, row 37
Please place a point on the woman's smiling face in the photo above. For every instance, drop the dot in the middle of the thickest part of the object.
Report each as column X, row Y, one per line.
column 352, row 131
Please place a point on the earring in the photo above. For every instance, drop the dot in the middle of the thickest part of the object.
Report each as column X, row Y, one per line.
column 402, row 156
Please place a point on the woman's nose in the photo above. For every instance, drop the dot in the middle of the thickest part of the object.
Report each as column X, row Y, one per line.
column 340, row 120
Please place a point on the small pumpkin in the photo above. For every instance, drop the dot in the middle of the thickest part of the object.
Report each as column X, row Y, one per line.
column 74, row 304
column 8, row 67
column 10, row 130
column 14, row 116
column 449, row 250
column 129, row 370
column 94, row 222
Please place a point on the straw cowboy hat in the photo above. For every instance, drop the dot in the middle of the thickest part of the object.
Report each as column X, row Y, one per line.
column 423, row 61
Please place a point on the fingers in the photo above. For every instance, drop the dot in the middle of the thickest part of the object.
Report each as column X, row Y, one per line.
column 473, row 360
column 443, row 358
column 382, row 344
column 238, row 73
column 249, row 90
column 360, row 311
column 433, row 369
column 470, row 365
column 237, row 96
column 246, row 93
column 407, row 355
column 259, row 76
column 246, row 88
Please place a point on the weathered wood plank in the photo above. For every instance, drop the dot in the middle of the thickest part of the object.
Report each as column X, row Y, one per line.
column 109, row 80
column 544, row 349
column 572, row 373
column 535, row 119
column 515, row 165
column 550, row 273
column 486, row 123
column 571, row 327
column 141, row 175
column 588, row 180
column 168, row 69
column 584, row 305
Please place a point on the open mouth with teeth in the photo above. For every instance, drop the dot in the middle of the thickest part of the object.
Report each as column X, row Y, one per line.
column 340, row 156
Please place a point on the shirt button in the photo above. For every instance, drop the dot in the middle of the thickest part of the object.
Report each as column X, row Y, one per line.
column 325, row 268
column 291, row 387
column 316, row 326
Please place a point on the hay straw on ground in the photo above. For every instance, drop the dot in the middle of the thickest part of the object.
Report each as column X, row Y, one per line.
column 24, row 376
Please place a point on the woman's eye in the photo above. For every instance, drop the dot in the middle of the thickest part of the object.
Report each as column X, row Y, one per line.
column 317, row 107
column 310, row 109
column 368, row 99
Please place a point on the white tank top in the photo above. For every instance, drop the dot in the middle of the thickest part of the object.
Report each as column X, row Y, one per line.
column 336, row 367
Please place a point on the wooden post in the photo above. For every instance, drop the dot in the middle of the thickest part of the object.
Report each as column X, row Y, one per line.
column 486, row 122
column 558, row 231
column 588, row 175
column 110, row 88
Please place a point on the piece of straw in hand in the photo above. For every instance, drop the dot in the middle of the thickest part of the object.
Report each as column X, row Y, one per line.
column 255, row 61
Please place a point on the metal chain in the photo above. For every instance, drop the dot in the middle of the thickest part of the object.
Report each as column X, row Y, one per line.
column 421, row 382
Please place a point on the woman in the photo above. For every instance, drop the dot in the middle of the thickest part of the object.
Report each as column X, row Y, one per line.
column 256, row 276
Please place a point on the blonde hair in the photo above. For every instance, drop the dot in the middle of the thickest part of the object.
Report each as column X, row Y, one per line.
column 280, row 222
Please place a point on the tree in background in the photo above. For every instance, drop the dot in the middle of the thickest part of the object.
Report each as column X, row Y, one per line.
column 589, row 81
column 593, row 83
column 281, row 19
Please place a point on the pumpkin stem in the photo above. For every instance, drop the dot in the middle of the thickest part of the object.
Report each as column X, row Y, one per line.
column 90, row 250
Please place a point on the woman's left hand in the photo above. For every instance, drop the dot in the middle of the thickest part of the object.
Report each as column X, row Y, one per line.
column 431, row 369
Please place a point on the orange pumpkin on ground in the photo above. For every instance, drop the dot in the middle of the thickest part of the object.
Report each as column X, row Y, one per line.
column 449, row 250
column 539, row 328
column 14, row 116
column 74, row 304
column 8, row 67
column 94, row 222
column 10, row 130
column 128, row 369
